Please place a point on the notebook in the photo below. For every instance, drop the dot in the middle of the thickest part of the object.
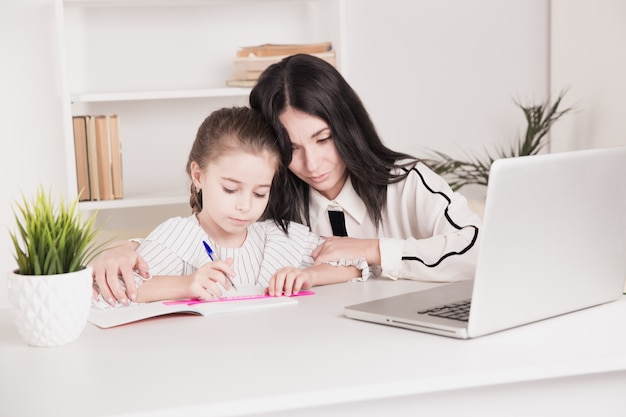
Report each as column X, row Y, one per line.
column 246, row 298
column 553, row 241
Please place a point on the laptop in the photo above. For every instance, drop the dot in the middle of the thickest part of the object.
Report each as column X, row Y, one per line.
column 553, row 241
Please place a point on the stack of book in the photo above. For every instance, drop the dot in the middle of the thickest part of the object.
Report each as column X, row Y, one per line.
column 98, row 157
column 251, row 61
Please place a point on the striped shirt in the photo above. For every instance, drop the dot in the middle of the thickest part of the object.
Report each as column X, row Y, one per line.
column 175, row 248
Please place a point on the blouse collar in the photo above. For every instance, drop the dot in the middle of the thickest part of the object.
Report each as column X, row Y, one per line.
column 348, row 200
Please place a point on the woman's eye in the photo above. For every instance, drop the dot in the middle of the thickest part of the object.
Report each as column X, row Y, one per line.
column 258, row 195
column 324, row 140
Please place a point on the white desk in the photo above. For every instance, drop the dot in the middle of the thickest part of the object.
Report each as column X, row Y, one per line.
column 309, row 360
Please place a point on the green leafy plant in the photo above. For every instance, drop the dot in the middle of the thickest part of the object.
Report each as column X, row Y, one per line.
column 52, row 239
column 475, row 169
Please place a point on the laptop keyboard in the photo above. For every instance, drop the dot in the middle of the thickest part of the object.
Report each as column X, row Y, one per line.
column 457, row 311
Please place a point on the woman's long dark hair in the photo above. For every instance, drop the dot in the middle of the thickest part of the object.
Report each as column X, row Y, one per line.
column 313, row 86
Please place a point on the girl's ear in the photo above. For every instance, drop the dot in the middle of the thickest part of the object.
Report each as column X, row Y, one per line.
column 196, row 174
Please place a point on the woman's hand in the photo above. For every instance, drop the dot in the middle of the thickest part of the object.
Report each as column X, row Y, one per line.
column 120, row 259
column 337, row 248
column 290, row 280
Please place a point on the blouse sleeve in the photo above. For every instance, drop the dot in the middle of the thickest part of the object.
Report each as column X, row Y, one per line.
column 443, row 241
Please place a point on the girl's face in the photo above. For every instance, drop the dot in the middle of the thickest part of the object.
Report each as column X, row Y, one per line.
column 315, row 158
column 235, row 191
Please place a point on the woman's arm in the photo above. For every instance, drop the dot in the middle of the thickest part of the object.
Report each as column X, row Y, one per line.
column 119, row 259
column 441, row 231
column 333, row 248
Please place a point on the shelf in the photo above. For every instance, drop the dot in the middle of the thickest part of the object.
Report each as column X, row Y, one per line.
column 159, row 95
column 161, row 66
column 157, row 3
column 139, row 201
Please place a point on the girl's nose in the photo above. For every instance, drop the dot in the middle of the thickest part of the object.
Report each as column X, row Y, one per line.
column 243, row 205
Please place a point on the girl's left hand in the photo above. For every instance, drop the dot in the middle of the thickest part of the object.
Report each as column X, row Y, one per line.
column 290, row 280
column 334, row 249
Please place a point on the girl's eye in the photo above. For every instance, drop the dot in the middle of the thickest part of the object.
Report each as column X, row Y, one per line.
column 228, row 191
column 258, row 195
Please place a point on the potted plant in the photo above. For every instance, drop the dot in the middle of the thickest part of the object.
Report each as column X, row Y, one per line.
column 475, row 169
column 50, row 291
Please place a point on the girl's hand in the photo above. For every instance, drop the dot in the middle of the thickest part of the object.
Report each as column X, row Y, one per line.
column 290, row 280
column 336, row 248
column 206, row 281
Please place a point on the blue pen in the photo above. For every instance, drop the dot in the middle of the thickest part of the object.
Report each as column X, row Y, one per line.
column 209, row 251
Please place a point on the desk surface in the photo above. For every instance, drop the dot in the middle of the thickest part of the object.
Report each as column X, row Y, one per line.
column 289, row 358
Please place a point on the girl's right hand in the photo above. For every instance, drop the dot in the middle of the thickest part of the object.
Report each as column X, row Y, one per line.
column 207, row 281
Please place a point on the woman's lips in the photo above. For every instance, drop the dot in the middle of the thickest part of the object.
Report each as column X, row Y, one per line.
column 319, row 178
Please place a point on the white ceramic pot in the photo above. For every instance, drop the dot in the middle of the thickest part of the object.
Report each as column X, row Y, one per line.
column 50, row 310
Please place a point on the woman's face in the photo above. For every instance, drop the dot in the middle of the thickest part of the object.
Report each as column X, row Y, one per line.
column 315, row 158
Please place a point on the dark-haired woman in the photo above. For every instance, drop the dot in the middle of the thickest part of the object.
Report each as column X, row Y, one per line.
column 398, row 214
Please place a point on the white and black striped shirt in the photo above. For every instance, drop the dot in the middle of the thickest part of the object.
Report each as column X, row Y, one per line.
column 175, row 248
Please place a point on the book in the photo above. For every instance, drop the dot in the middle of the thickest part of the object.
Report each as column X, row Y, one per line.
column 246, row 71
column 80, row 152
column 106, row 317
column 273, row 49
column 116, row 157
column 253, row 64
column 103, row 144
column 241, row 73
column 241, row 83
column 92, row 158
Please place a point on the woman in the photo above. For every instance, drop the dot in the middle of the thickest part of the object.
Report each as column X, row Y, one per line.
column 399, row 215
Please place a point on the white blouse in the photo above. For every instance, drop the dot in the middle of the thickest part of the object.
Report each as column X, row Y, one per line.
column 428, row 232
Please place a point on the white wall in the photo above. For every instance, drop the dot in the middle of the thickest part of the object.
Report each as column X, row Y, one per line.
column 433, row 73
column 30, row 112
column 589, row 57
column 444, row 74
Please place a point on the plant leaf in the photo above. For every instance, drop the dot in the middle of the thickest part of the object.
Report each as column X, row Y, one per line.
column 475, row 169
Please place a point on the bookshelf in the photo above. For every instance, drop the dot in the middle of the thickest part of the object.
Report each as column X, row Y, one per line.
column 162, row 66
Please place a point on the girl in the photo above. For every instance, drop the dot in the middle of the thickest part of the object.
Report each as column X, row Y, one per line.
column 232, row 164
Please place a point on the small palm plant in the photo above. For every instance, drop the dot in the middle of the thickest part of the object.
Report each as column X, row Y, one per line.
column 475, row 169
column 52, row 240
